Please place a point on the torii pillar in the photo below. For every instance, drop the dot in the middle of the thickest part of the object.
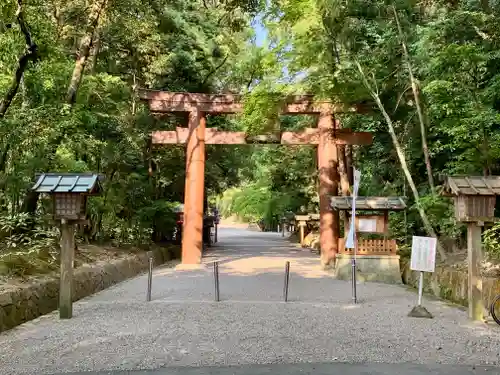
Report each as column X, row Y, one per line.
column 326, row 136
column 329, row 227
column 194, row 190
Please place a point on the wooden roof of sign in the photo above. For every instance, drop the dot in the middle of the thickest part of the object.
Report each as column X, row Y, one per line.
column 307, row 217
column 472, row 185
column 82, row 183
column 369, row 203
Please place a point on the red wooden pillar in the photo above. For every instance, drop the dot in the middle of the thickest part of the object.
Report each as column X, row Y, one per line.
column 192, row 244
column 328, row 186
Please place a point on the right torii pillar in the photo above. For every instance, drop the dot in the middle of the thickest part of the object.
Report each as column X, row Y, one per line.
column 328, row 159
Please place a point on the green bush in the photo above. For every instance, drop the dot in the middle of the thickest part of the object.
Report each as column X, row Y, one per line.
column 26, row 251
column 491, row 241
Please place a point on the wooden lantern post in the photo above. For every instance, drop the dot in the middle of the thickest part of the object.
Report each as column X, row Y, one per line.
column 69, row 195
column 474, row 198
column 302, row 223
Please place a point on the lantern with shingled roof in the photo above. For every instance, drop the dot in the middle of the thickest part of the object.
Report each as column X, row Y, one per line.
column 474, row 197
column 69, row 192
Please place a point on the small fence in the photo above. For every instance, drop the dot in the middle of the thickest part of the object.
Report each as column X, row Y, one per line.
column 216, row 280
column 370, row 247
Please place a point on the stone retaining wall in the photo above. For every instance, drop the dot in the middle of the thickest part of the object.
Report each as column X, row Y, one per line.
column 450, row 284
column 30, row 301
column 377, row 268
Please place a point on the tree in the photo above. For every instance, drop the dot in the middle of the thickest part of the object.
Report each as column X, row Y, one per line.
column 30, row 54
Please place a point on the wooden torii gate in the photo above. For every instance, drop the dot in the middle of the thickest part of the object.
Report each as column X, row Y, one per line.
column 326, row 136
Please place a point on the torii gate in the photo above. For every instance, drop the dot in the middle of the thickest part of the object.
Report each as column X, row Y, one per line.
column 326, row 136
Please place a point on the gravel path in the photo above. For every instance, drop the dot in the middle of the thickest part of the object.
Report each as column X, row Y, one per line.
column 116, row 329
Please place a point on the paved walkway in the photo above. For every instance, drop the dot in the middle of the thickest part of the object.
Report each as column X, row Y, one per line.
column 182, row 326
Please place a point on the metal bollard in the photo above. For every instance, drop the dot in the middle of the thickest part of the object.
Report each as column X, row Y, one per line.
column 287, row 277
column 150, row 275
column 353, row 277
column 216, row 280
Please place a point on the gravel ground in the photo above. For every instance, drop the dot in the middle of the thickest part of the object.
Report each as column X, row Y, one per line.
column 117, row 329
column 314, row 369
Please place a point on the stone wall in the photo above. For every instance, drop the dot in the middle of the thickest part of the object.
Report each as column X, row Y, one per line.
column 29, row 301
column 377, row 268
column 450, row 284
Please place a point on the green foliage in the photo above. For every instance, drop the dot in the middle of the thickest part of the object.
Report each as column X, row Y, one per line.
column 178, row 46
column 441, row 213
column 491, row 241
column 256, row 204
column 23, row 252
column 279, row 180
column 261, row 111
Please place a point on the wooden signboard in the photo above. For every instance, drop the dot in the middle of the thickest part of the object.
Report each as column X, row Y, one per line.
column 371, row 224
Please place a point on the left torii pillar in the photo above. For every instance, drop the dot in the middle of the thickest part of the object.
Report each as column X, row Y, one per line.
column 192, row 237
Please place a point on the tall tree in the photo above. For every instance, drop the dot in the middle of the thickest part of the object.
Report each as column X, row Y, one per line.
column 418, row 104
column 83, row 54
column 30, row 54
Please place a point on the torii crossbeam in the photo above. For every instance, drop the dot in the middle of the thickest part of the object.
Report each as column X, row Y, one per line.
column 326, row 136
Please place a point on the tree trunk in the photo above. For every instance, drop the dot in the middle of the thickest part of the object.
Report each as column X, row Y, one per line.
column 485, row 4
column 416, row 95
column 344, row 182
column 56, row 14
column 342, row 167
column 94, row 53
column 404, row 165
column 30, row 54
column 349, row 163
column 84, row 50
column 29, row 205
column 4, row 156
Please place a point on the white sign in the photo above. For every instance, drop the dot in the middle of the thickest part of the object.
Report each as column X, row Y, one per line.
column 367, row 225
column 423, row 254
column 349, row 244
column 357, row 179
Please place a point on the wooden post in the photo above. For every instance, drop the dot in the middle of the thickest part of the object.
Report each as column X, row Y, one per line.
column 348, row 164
column 192, row 238
column 302, row 224
column 342, row 168
column 328, row 186
column 474, row 258
column 66, row 278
